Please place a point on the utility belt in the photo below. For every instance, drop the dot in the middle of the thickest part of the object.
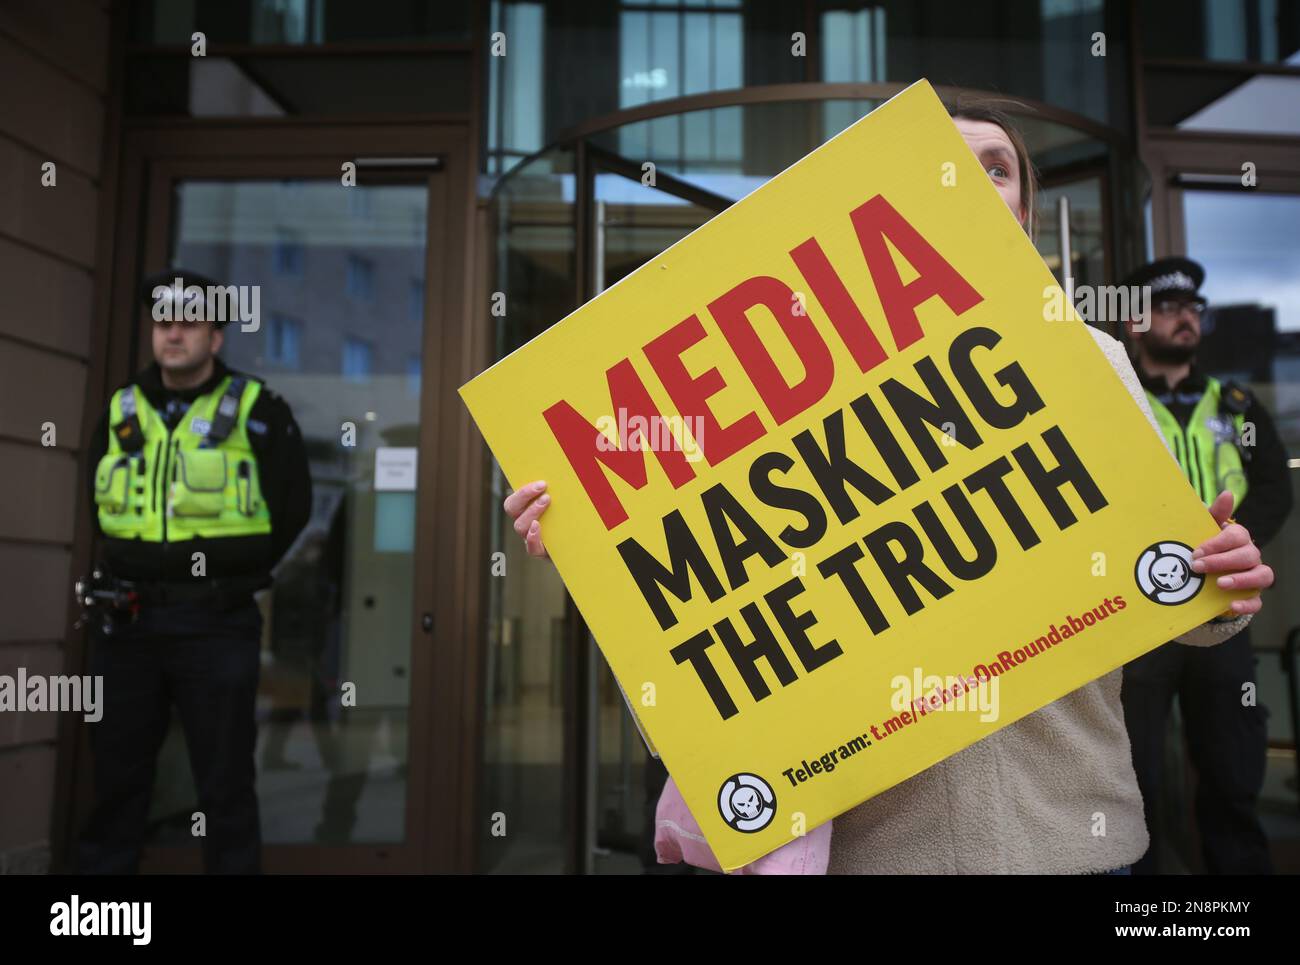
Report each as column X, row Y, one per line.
column 112, row 599
column 217, row 590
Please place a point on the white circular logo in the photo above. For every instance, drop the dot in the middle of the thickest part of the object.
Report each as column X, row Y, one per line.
column 747, row 802
column 1164, row 573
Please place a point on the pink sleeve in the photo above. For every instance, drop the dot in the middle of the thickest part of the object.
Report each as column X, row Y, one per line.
column 678, row 838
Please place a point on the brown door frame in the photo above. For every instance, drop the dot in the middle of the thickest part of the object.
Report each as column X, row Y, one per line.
column 1073, row 174
column 1170, row 155
column 445, row 710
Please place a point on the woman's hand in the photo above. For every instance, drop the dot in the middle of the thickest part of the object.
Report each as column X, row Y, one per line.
column 525, row 506
column 1234, row 557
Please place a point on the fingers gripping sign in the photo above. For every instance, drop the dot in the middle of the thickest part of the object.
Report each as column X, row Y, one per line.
column 525, row 506
column 1234, row 557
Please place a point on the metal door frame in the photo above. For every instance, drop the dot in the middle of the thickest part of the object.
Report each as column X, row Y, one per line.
column 581, row 737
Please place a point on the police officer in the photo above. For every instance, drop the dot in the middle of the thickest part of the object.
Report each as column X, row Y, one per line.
column 200, row 483
column 1224, row 440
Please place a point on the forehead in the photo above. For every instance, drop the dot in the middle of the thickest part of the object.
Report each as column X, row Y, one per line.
column 984, row 136
column 184, row 325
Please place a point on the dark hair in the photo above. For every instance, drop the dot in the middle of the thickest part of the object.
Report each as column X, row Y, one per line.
column 986, row 110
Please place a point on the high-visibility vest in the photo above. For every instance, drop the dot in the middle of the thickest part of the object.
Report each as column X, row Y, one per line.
column 199, row 479
column 1209, row 449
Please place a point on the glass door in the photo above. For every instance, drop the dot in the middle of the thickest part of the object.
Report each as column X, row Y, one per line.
column 524, row 821
column 341, row 275
column 632, row 221
column 1072, row 227
column 1246, row 241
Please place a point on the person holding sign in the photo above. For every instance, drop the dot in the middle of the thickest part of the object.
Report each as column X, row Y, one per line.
column 1053, row 792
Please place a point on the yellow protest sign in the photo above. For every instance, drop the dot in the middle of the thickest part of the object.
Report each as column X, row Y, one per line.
column 830, row 466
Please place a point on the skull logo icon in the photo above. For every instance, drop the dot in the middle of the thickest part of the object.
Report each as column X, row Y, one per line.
column 747, row 802
column 1164, row 573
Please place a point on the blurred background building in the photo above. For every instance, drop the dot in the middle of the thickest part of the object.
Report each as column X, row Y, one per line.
column 499, row 150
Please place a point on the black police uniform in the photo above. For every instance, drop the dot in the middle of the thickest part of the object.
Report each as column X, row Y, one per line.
column 195, row 646
column 1227, row 741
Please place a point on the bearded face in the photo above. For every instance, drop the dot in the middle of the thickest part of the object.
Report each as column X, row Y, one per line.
column 1175, row 332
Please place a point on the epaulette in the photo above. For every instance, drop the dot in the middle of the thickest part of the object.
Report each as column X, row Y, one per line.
column 1236, row 398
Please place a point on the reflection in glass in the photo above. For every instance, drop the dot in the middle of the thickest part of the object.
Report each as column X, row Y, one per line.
column 853, row 49
column 527, row 659
column 300, row 22
column 1087, row 238
column 331, row 769
column 1256, row 31
column 1176, row 34
column 1247, row 245
column 636, row 225
column 667, row 53
column 516, row 85
column 670, row 53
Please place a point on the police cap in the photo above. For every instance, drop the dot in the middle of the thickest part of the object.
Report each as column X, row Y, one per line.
column 161, row 288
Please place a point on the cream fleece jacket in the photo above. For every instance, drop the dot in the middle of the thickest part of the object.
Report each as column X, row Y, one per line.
column 1029, row 798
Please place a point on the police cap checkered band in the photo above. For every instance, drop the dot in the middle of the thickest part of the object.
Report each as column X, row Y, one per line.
column 162, row 287
column 1174, row 281
column 1168, row 276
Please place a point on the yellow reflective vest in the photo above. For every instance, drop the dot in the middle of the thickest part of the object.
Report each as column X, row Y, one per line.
column 1208, row 449
column 199, row 479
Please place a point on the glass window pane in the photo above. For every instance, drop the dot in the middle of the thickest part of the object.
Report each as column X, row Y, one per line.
column 1259, row 31
column 415, row 300
column 669, row 53
column 357, row 357
column 360, row 278
column 301, row 21
column 1247, row 244
column 527, row 630
column 1087, row 236
column 282, row 338
column 339, row 613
